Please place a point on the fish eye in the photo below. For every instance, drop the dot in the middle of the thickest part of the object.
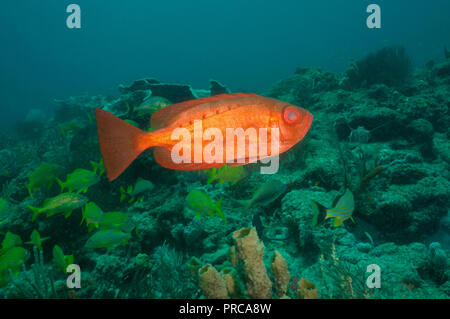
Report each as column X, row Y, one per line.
column 291, row 115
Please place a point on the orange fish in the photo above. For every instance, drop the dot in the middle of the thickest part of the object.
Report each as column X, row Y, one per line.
column 121, row 143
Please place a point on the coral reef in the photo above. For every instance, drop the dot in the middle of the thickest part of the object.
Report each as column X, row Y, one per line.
column 390, row 66
column 379, row 130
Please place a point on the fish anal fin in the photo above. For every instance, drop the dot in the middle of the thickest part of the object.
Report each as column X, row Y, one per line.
column 247, row 161
column 163, row 157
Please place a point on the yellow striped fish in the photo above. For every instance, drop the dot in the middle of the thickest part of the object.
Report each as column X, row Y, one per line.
column 341, row 210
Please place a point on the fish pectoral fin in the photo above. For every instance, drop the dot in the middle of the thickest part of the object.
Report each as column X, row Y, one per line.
column 337, row 222
column 67, row 214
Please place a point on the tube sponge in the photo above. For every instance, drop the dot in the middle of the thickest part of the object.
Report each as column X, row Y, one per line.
column 251, row 252
column 281, row 273
column 233, row 256
column 307, row 290
column 194, row 264
column 229, row 276
column 212, row 283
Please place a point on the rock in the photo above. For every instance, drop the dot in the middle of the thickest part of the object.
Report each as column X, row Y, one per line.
column 297, row 214
column 364, row 247
column 173, row 92
column 441, row 144
column 379, row 92
column 438, row 257
column 322, row 161
column 382, row 122
column 429, row 106
column 436, row 267
column 442, row 70
column 138, row 85
column 412, row 211
column 304, row 84
column 35, row 116
column 420, row 131
column 217, row 88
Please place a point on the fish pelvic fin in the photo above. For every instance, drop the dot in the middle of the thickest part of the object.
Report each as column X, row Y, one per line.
column 320, row 213
column 120, row 143
column 36, row 211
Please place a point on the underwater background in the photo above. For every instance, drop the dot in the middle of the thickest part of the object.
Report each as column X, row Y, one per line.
column 380, row 134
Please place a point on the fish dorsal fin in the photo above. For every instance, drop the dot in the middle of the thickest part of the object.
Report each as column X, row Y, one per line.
column 339, row 196
column 343, row 198
column 336, row 200
column 161, row 117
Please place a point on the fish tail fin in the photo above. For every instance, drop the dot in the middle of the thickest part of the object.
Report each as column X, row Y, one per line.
column 83, row 214
column 120, row 143
column 29, row 190
column 320, row 213
column 212, row 175
column 61, row 184
column 36, row 212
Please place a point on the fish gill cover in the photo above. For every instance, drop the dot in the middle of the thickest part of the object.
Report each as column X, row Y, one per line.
column 362, row 184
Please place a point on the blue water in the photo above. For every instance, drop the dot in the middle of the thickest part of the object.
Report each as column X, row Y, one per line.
column 248, row 45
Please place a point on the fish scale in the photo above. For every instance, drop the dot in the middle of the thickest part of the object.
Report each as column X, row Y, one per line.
column 215, row 109
column 121, row 143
